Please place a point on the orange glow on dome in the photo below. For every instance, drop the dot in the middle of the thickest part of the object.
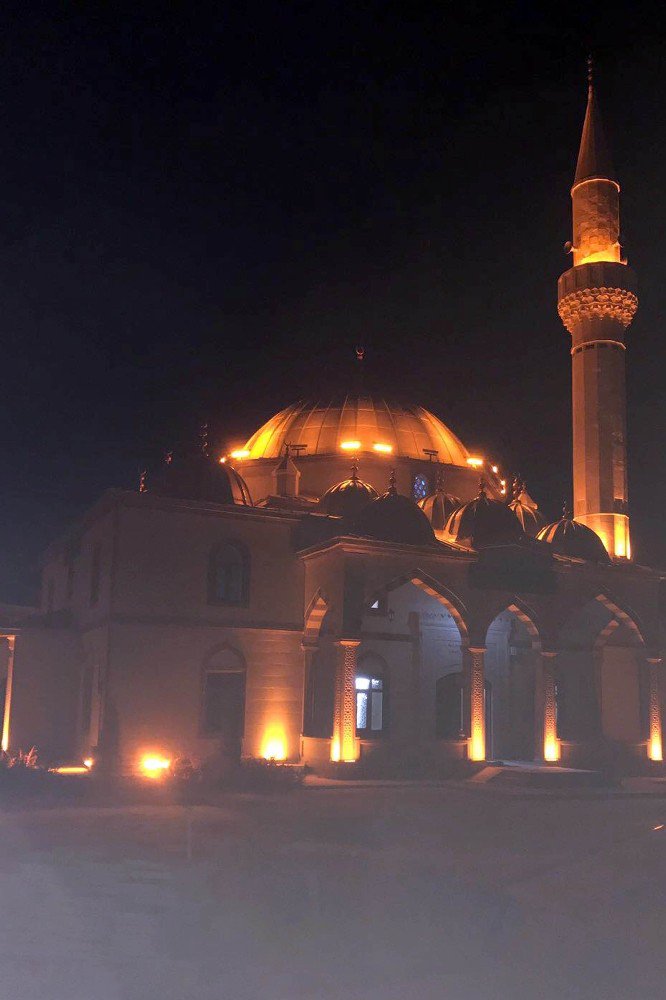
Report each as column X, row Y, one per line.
column 474, row 461
column 351, row 445
column 240, row 453
column 384, row 449
column 321, row 425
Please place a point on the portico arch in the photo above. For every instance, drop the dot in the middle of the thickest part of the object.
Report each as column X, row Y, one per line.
column 512, row 684
column 610, row 687
column 420, row 628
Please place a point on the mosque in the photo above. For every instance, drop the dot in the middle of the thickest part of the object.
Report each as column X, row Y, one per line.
column 353, row 585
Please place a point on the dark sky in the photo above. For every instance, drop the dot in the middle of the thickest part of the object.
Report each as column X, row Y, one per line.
column 202, row 214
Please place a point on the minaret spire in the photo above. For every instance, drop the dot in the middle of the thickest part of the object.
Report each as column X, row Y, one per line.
column 596, row 302
column 594, row 159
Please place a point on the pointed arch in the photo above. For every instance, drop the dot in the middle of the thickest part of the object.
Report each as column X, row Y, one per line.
column 523, row 613
column 620, row 617
column 591, row 624
column 314, row 616
column 433, row 588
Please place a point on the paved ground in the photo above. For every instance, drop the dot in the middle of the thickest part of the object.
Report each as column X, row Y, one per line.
column 365, row 893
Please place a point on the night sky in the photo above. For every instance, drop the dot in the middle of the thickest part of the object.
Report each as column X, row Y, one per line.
column 202, row 215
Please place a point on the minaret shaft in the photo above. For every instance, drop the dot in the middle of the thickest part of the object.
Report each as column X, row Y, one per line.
column 596, row 302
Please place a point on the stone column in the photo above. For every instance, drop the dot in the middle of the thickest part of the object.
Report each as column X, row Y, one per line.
column 8, row 693
column 344, row 746
column 308, row 650
column 550, row 744
column 476, row 746
column 655, row 750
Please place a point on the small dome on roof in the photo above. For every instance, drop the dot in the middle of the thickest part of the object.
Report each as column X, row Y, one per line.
column 531, row 520
column 571, row 538
column 200, row 477
column 394, row 518
column 348, row 498
column 483, row 522
column 439, row 506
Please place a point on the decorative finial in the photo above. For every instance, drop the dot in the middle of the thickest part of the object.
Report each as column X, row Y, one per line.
column 143, row 488
column 168, row 457
column 517, row 487
column 360, row 353
column 482, row 488
column 590, row 72
column 392, row 487
column 566, row 512
column 203, row 437
column 439, row 482
column 354, row 469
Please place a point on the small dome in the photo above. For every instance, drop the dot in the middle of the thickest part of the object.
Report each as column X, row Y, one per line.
column 483, row 522
column 394, row 518
column 531, row 520
column 439, row 506
column 348, row 498
column 571, row 538
column 199, row 477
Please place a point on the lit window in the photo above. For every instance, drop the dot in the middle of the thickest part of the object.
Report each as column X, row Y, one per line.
column 228, row 575
column 369, row 705
column 420, row 488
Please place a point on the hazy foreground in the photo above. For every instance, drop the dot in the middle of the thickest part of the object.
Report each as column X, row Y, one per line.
column 392, row 893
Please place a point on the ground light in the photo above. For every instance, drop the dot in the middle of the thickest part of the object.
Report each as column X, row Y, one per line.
column 154, row 766
column 274, row 744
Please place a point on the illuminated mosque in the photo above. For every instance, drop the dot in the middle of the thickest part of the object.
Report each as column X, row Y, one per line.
column 355, row 588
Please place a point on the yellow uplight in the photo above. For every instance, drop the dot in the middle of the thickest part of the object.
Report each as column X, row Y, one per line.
column 475, row 462
column 655, row 750
column 274, row 745
column 495, row 469
column 385, row 449
column 350, row 445
column 88, row 762
column 335, row 749
column 477, row 744
column 69, row 769
column 551, row 749
column 154, row 766
column 223, row 460
column 240, row 453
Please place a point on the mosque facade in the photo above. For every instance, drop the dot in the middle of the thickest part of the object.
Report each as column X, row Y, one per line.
column 354, row 587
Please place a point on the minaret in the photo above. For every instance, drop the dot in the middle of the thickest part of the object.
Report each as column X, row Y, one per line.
column 597, row 302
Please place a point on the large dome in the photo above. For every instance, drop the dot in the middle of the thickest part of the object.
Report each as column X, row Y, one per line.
column 323, row 425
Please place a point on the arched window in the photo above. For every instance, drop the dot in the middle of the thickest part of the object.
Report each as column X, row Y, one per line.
column 228, row 574
column 371, row 697
column 420, row 488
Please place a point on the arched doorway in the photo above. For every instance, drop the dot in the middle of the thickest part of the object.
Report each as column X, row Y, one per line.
column 511, row 660
column 606, row 686
column 419, row 633
column 223, row 701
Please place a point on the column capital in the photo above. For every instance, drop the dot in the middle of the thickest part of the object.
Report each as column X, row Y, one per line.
column 549, row 653
column 348, row 642
column 477, row 649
